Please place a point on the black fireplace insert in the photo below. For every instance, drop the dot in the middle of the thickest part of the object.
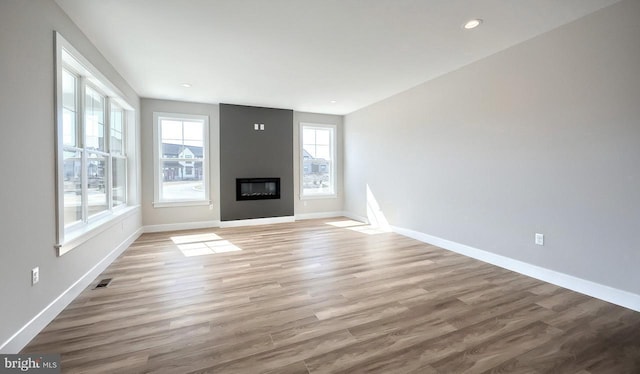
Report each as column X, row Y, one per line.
column 257, row 188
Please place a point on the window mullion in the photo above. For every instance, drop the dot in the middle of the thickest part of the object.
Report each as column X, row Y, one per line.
column 107, row 148
column 123, row 154
column 84, row 175
column 123, row 151
column 107, row 124
column 80, row 111
column 182, row 128
column 109, row 188
column 158, row 156
column 78, row 122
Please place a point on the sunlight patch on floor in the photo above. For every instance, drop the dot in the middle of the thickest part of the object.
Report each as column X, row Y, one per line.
column 345, row 223
column 195, row 238
column 360, row 227
column 370, row 230
column 222, row 246
column 375, row 215
column 191, row 252
column 203, row 244
column 377, row 222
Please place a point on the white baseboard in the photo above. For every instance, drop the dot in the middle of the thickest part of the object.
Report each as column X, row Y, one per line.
column 257, row 221
column 21, row 338
column 597, row 290
column 303, row 216
column 181, row 226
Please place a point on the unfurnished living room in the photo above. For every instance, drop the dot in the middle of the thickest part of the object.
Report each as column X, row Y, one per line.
column 320, row 186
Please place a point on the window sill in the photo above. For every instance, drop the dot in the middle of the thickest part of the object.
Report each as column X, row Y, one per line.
column 77, row 237
column 319, row 196
column 176, row 204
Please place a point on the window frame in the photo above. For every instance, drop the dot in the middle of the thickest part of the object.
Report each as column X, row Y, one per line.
column 68, row 59
column 105, row 153
column 121, row 155
column 333, row 144
column 158, row 159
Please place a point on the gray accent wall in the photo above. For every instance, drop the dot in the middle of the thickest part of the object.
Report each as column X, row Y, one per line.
column 542, row 137
column 247, row 153
column 27, row 148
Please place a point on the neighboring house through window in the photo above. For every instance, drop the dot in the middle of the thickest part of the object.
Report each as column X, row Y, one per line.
column 181, row 166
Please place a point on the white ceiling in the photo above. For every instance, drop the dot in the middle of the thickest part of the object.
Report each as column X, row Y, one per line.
column 302, row 54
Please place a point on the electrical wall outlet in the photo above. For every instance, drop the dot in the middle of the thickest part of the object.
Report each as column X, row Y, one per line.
column 539, row 239
column 35, row 275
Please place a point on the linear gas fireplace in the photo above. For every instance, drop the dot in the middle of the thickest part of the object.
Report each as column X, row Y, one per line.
column 257, row 188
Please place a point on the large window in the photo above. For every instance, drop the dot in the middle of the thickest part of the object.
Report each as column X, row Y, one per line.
column 181, row 167
column 318, row 160
column 91, row 145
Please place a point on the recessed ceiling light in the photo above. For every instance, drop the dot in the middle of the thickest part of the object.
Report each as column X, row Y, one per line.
column 472, row 24
column 187, row 85
column 333, row 101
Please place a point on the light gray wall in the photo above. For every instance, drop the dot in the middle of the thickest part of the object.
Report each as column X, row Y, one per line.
column 326, row 205
column 542, row 137
column 186, row 214
column 247, row 153
column 27, row 192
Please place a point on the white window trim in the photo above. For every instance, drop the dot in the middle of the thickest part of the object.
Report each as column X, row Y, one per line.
column 334, row 161
column 77, row 234
column 85, row 232
column 157, row 203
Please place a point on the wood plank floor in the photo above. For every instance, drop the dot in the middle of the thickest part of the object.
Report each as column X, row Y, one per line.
column 329, row 296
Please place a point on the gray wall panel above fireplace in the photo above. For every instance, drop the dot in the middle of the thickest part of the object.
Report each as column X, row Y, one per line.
column 249, row 153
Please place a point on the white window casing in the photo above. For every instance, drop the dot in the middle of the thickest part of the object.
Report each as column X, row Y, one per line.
column 177, row 179
column 318, row 161
column 85, row 184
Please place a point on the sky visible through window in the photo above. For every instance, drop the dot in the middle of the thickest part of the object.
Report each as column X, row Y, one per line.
column 317, row 142
column 182, row 132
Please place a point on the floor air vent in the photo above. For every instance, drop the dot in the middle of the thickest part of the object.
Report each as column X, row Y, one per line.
column 104, row 283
